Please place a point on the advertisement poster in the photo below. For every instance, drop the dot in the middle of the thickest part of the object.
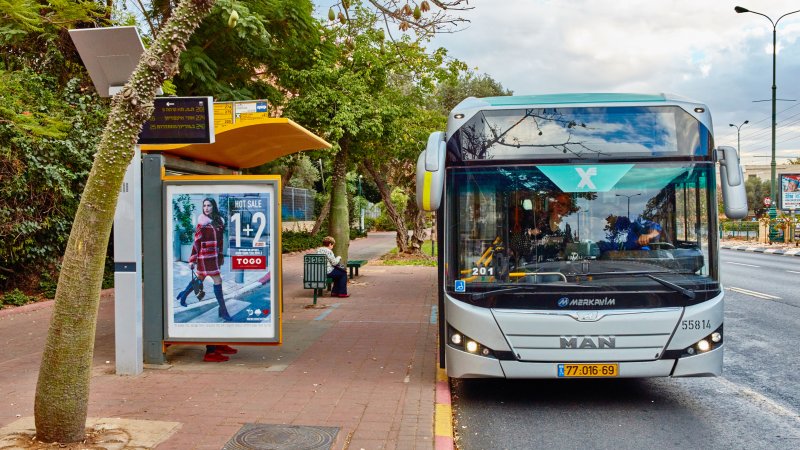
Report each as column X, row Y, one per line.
column 790, row 191
column 221, row 251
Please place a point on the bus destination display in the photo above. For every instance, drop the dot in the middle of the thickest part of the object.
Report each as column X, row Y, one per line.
column 180, row 120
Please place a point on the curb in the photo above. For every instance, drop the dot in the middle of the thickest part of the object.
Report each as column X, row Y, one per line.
column 30, row 307
column 765, row 250
column 443, row 414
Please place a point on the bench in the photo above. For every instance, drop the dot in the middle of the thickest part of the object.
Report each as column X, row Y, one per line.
column 315, row 274
column 355, row 264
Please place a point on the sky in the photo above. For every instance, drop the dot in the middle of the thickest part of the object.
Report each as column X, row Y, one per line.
column 700, row 49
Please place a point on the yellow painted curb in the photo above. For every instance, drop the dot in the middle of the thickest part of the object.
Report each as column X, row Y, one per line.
column 441, row 375
column 443, row 426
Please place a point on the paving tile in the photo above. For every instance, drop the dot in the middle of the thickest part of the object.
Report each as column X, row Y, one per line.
column 367, row 368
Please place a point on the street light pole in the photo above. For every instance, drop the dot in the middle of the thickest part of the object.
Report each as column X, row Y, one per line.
column 738, row 137
column 629, row 202
column 361, row 204
column 772, row 186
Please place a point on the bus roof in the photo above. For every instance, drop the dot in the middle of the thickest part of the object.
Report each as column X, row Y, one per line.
column 549, row 99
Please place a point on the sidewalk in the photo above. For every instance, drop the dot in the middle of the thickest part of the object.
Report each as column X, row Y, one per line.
column 364, row 364
column 778, row 248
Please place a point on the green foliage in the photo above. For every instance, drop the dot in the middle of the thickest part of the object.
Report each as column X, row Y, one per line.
column 33, row 35
column 452, row 92
column 108, row 270
column 295, row 241
column 48, row 135
column 48, row 284
column 16, row 298
column 182, row 211
column 355, row 233
column 757, row 190
column 242, row 47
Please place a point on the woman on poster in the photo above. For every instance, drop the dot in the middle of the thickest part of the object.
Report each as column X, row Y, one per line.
column 207, row 257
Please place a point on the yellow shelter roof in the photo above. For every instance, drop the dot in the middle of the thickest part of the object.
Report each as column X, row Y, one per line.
column 248, row 143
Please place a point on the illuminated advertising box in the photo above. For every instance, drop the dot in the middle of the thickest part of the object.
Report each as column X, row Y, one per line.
column 222, row 277
column 790, row 191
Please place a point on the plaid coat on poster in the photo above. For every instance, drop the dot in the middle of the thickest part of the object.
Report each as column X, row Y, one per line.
column 207, row 247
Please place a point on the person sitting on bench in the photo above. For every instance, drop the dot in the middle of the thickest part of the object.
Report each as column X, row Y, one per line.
column 335, row 270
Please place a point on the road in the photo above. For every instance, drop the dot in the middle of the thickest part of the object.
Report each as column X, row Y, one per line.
column 754, row 405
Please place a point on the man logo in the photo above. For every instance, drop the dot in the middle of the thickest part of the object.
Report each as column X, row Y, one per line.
column 588, row 342
column 563, row 302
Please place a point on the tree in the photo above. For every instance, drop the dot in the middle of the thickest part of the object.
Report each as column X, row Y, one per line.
column 62, row 391
column 757, row 189
column 451, row 93
column 49, row 125
column 422, row 18
column 370, row 92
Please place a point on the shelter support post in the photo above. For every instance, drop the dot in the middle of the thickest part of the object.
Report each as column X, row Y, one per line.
column 128, row 272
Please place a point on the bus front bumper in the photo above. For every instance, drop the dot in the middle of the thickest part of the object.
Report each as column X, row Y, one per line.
column 461, row 364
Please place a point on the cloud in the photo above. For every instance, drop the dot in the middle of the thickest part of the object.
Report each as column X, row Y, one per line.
column 698, row 49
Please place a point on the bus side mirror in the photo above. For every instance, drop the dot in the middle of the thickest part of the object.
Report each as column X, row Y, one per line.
column 734, row 196
column 430, row 173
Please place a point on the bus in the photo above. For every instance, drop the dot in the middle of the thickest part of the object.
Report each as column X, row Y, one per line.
column 577, row 236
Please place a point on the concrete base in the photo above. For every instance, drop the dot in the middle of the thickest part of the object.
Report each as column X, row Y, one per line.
column 110, row 434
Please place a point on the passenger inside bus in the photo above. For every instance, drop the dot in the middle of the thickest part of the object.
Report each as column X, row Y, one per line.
column 537, row 233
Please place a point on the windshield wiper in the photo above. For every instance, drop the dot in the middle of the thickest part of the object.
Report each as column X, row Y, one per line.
column 484, row 294
column 688, row 293
column 672, row 286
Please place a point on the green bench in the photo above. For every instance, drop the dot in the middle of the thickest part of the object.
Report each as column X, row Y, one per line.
column 355, row 264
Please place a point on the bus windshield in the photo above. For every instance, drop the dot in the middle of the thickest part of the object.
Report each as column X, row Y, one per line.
column 634, row 226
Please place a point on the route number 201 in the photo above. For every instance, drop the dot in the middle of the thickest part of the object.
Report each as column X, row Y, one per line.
column 482, row 271
column 696, row 325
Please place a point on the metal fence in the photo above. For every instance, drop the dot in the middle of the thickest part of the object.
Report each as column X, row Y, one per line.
column 787, row 229
column 739, row 229
column 297, row 204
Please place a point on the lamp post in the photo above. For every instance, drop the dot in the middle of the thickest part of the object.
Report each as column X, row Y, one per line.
column 361, row 204
column 629, row 202
column 738, row 136
column 772, row 187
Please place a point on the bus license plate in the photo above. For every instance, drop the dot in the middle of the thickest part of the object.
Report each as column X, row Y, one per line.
column 587, row 370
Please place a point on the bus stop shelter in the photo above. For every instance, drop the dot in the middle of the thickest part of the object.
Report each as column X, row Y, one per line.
column 139, row 226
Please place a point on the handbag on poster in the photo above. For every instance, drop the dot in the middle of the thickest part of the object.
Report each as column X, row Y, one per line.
column 197, row 286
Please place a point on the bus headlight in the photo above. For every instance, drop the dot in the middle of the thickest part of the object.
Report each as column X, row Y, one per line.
column 458, row 340
column 706, row 344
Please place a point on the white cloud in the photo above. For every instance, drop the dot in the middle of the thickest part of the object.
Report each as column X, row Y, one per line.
column 698, row 49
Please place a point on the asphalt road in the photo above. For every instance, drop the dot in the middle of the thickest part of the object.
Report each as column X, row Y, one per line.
column 754, row 405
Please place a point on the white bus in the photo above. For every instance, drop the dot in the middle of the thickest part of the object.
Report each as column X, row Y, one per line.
column 577, row 236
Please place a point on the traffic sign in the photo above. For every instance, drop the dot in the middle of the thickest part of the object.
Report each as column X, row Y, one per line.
column 180, row 120
column 767, row 201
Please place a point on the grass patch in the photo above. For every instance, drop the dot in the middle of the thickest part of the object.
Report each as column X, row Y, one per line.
column 423, row 258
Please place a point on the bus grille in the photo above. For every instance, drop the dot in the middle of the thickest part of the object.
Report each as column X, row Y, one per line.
column 577, row 336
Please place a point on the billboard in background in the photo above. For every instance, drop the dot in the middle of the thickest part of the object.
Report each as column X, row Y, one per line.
column 790, row 191
column 222, row 238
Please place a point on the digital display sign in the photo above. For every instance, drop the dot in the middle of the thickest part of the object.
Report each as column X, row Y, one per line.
column 180, row 120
